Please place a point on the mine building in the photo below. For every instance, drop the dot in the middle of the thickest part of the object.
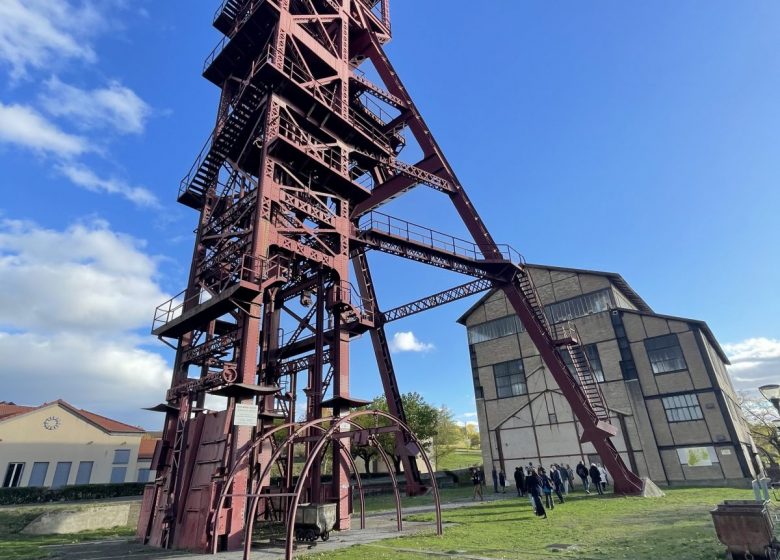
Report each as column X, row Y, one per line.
column 57, row 444
column 663, row 378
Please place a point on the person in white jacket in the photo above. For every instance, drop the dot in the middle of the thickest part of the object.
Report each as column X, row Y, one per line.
column 604, row 477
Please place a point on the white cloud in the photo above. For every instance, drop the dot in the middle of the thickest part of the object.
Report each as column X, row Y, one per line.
column 23, row 126
column 84, row 177
column 42, row 33
column 70, row 303
column 408, row 342
column 105, row 375
column 86, row 278
column 754, row 362
column 114, row 106
column 469, row 415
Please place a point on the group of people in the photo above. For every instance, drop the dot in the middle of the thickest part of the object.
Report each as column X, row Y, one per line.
column 538, row 481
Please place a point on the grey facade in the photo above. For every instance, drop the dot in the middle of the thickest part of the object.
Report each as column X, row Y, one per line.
column 664, row 379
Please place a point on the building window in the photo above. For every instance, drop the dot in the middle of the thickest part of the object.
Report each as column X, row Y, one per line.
column 84, row 474
column 697, row 456
column 38, row 474
column 61, row 474
column 143, row 475
column 682, row 408
column 553, row 417
column 495, row 329
column 118, row 475
column 13, row 475
column 579, row 306
column 510, row 379
column 121, row 456
column 592, row 352
column 665, row 354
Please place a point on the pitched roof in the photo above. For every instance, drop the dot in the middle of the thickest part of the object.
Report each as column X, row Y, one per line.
column 628, row 291
column 614, row 277
column 9, row 410
column 146, row 449
column 108, row 424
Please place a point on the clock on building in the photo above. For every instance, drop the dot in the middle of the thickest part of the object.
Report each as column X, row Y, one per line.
column 52, row 423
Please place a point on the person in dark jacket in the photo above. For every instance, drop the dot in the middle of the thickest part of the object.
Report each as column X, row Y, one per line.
column 595, row 477
column 476, row 481
column 557, row 480
column 564, row 472
column 582, row 472
column 520, row 481
column 547, row 488
column 571, row 477
column 502, row 481
column 495, row 481
column 533, row 485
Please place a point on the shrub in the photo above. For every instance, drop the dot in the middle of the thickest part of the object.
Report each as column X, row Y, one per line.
column 35, row 495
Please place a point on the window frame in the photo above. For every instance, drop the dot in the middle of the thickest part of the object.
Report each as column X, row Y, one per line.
column 147, row 472
column 123, row 452
column 684, row 406
column 515, row 329
column 34, row 483
column 62, row 466
column 116, row 469
column 80, row 472
column 583, row 301
column 13, row 474
column 598, row 374
column 501, row 386
column 677, row 345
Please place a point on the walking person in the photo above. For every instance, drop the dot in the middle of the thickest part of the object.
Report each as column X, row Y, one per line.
column 547, row 488
column 520, row 481
column 564, row 478
column 571, row 476
column 604, row 477
column 557, row 480
column 533, row 485
column 595, row 477
column 582, row 472
column 495, row 481
column 502, row 481
column 476, row 481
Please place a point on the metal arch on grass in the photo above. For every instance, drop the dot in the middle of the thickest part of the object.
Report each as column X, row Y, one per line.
column 250, row 519
column 299, row 487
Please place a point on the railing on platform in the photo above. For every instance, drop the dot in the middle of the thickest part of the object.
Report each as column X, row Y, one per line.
column 378, row 221
column 253, row 270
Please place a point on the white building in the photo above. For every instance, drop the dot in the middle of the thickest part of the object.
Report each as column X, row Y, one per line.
column 57, row 444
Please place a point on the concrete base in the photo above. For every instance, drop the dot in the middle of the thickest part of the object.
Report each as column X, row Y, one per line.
column 651, row 490
column 66, row 520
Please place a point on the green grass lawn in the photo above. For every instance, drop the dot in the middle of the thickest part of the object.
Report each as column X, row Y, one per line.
column 586, row 527
column 387, row 501
column 459, row 458
column 16, row 546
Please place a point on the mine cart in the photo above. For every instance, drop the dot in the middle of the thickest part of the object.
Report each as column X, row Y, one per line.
column 314, row 520
column 747, row 530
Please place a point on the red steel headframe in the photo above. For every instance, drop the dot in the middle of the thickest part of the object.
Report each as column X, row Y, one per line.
column 305, row 149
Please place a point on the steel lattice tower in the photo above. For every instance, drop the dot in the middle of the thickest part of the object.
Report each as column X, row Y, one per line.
column 305, row 149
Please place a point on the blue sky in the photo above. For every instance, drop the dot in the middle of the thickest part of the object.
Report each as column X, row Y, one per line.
column 640, row 138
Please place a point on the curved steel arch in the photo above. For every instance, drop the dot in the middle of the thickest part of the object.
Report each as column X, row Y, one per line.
column 299, row 487
column 250, row 518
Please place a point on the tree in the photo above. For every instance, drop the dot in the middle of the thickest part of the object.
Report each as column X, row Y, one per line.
column 471, row 435
column 447, row 435
column 421, row 417
column 762, row 418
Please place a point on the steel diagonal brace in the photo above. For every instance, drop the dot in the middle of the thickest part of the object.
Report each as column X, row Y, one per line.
column 435, row 300
column 387, row 372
